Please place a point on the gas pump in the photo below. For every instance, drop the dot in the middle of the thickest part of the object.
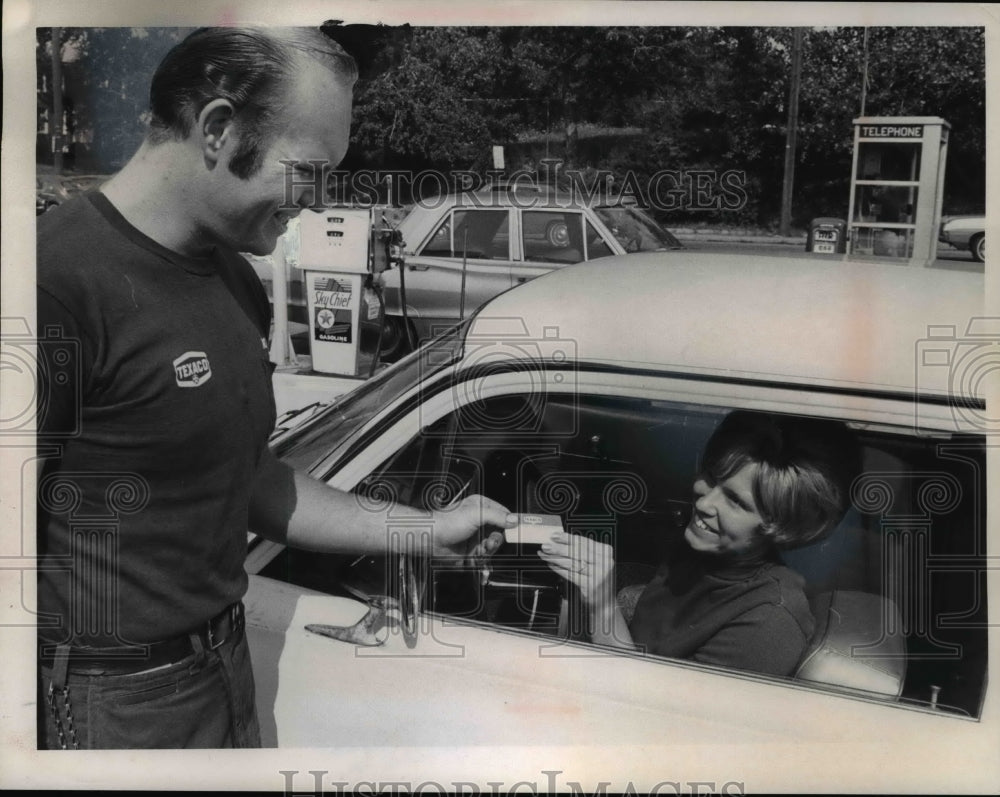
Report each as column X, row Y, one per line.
column 341, row 252
column 897, row 186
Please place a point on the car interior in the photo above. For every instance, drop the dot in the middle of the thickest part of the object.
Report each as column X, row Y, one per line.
column 897, row 590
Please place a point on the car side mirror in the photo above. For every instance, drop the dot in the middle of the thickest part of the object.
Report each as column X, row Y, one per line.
column 372, row 629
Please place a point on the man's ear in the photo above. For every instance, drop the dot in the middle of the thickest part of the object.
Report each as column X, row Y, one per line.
column 215, row 129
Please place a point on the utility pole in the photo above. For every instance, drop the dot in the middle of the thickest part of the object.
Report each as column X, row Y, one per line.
column 791, row 133
column 55, row 123
column 864, row 73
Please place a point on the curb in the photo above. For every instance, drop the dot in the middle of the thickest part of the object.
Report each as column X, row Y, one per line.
column 731, row 236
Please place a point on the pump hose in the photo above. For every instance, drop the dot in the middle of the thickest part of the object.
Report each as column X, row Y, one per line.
column 402, row 303
column 381, row 327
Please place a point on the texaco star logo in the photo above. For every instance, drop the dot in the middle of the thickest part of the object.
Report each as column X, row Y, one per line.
column 325, row 319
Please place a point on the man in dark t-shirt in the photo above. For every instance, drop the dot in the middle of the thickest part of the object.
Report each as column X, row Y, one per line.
column 155, row 419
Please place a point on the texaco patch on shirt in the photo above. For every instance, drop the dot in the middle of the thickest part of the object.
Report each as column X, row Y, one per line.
column 192, row 369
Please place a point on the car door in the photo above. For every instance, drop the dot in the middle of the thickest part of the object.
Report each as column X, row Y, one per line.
column 555, row 237
column 464, row 263
column 613, row 454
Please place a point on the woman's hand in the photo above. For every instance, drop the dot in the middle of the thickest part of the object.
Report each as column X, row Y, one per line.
column 584, row 562
column 590, row 566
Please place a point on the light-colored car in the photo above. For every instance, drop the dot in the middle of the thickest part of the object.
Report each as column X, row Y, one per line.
column 54, row 189
column 965, row 232
column 463, row 249
column 589, row 394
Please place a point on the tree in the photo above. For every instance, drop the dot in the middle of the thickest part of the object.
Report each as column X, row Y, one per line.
column 711, row 99
column 912, row 72
column 441, row 106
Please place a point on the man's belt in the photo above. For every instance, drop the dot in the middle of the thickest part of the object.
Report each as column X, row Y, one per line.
column 226, row 626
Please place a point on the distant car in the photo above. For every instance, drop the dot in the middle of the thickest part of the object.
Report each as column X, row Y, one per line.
column 965, row 232
column 589, row 393
column 54, row 189
column 463, row 249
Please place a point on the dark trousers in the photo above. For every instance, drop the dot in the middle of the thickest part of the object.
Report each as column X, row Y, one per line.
column 205, row 700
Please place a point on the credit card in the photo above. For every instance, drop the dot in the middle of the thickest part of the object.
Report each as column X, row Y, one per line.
column 533, row 529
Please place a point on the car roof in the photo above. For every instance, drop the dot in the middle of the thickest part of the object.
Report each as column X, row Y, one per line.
column 966, row 221
column 425, row 215
column 857, row 326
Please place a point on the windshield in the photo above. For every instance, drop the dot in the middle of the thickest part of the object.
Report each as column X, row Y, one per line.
column 636, row 231
column 306, row 445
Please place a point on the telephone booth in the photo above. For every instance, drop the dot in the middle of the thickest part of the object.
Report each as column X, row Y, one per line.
column 897, row 185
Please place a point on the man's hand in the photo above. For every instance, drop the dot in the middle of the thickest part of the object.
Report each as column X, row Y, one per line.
column 456, row 538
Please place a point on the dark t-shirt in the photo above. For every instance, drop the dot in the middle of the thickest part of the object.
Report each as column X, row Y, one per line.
column 747, row 615
column 157, row 420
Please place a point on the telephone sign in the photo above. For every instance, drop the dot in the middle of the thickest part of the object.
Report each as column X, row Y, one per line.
column 892, row 131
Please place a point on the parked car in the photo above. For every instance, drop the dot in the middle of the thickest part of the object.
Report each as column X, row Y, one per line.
column 54, row 189
column 463, row 249
column 589, row 394
column 965, row 232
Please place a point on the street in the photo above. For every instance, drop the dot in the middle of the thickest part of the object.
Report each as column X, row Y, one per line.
column 947, row 257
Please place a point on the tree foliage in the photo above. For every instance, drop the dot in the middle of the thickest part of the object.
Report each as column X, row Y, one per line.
column 709, row 98
column 706, row 98
column 436, row 106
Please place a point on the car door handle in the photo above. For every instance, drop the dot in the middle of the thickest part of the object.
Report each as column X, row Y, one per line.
column 419, row 268
column 522, row 279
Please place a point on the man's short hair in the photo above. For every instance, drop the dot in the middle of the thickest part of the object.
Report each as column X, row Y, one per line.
column 250, row 67
column 805, row 470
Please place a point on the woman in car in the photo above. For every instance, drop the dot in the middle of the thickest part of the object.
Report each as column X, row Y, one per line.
column 722, row 596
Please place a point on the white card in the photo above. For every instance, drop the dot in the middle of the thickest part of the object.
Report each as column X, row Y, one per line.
column 533, row 529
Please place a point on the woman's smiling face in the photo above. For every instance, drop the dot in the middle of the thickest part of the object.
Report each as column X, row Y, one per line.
column 725, row 519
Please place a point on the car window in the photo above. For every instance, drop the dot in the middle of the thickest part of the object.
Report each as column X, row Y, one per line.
column 552, row 236
column 635, row 230
column 596, row 245
column 906, row 565
column 475, row 234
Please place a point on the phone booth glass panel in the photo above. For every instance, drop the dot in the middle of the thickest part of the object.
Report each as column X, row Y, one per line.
column 899, row 160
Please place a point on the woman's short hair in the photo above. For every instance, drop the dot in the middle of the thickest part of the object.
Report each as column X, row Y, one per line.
column 805, row 469
column 250, row 67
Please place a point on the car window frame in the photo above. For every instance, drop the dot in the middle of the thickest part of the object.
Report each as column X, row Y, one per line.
column 398, row 429
column 338, row 468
